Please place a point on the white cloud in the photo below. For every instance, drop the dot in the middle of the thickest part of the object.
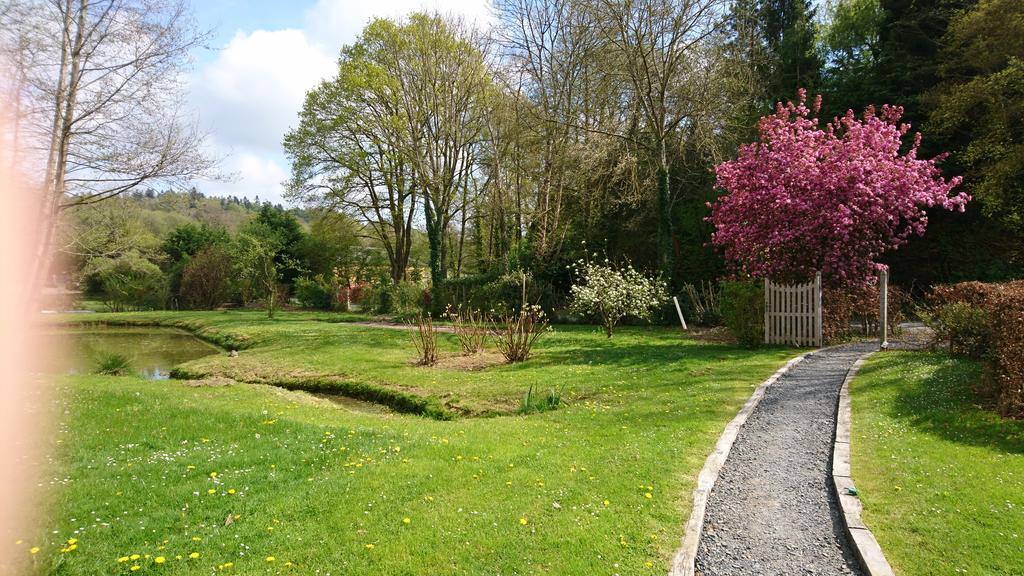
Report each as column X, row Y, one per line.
column 256, row 175
column 251, row 93
column 338, row 22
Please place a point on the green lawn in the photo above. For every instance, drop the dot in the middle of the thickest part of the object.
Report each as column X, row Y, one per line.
column 600, row 486
column 942, row 479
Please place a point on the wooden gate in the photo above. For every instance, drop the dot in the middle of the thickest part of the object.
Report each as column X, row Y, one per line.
column 792, row 313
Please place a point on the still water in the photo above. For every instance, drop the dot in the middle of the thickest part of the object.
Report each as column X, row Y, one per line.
column 153, row 351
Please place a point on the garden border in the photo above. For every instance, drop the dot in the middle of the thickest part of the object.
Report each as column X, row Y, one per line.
column 683, row 563
column 865, row 546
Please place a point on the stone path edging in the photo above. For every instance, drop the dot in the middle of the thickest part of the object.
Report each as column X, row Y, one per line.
column 686, row 556
column 863, row 542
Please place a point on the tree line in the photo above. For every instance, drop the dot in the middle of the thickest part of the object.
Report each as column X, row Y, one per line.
column 594, row 125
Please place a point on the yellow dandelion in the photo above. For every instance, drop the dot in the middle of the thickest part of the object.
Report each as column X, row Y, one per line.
column 271, row 558
column 122, row 559
column 606, row 503
column 33, row 550
column 213, row 474
column 211, row 491
column 370, row 546
column 72, row 540
column 648, row 495
column 135, row 568
column 159, row 559
column 231, row 490
column 406, row 520
column 196, row 538
column 194, row 555
column 134, row 557
column 523, row 521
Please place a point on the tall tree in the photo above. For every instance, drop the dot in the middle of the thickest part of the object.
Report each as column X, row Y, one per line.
column 106, row 101
column 979, row 104
column 664, row 49
column 792, row 59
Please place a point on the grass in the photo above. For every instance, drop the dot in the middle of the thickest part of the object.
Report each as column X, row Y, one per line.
column 941, row 478
column 601, row 485
column 113, row 364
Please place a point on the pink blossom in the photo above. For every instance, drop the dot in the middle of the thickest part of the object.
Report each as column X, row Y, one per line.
column 803, row 198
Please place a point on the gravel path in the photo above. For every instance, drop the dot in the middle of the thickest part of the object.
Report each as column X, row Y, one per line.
column 772, row 511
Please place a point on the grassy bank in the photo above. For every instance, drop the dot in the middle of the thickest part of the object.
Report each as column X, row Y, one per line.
column 942, row 478
column 277, row 481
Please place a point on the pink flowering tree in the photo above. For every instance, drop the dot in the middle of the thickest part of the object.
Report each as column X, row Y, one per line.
column 805, row 198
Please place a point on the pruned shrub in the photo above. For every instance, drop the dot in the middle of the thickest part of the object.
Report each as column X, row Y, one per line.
column 985, row 320
column 1007, row 356
column 424, row 338
column 515, row 333
column 704, row 303
column 743, row 311
column 470, row 329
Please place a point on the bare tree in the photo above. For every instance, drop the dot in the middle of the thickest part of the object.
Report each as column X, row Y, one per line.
column 105, row 105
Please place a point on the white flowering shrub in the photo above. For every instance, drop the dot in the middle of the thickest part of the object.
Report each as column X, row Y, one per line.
column 611, row 293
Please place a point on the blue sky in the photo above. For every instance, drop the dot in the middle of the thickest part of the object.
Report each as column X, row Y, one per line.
column 248, row 88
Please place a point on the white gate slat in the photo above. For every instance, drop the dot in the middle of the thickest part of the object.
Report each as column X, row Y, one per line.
column 792, row 313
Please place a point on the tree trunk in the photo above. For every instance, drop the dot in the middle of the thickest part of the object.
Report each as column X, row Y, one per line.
column 664, row 208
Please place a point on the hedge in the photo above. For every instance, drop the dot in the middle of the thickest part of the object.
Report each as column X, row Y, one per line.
column 986, row 320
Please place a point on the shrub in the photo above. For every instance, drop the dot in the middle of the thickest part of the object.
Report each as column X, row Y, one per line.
column 206, row 280
column 316, row 292
column 469, row 329
column 705, row 303
column 743, row 311
column 386, row 297
column 964, row 326
column 128, row 282
column 113, row 364
column 985, row 320
column 612, row 294
column 424, row 337
column 515, row 333
column 1007, row 357
column 844, row 308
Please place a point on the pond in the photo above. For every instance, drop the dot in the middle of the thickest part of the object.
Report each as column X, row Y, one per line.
column 153, row 351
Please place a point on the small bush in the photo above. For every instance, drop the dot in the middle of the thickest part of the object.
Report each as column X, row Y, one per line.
column 469, row 328
column 515, row 334
column 113, row 364
column 386, row 297
column 127, row 282
column 206, row 278
column 424, row 337
column 540, row 403
column 316, row 292
column 611, row 294
column 705, row 303
column 743, row 311
column 964, row 326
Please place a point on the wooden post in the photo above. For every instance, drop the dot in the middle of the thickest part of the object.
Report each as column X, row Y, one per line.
column 680, row 312
column 817, row 310
column 883, row 315
column 767, row 307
